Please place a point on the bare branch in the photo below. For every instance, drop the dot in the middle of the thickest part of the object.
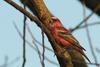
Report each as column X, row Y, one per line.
column 37, row 40
column 43, row 64
column 98, row 50
column 88, row 35
column 6, row 63
column 85, row 19
column 89, row 24
column 78, row 26
column 32, row 45
column 24, row 43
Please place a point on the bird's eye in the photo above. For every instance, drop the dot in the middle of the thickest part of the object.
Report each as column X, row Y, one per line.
column 62, row 33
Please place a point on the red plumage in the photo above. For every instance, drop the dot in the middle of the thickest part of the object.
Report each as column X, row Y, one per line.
column 63, row 37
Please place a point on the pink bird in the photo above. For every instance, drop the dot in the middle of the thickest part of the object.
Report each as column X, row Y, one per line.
column 64, row 38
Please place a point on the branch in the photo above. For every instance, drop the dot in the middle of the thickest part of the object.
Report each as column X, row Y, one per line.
column 39, row 9
column 43, row 21
column 30, row 45
column 78, row 26
column 34, row 39
column 88, row 35
column 24, row 43
column 43, row 64
column 90, row 24
column 96, row 8
column 98, row 65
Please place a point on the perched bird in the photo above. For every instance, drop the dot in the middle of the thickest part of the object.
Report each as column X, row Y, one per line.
column 64, row 38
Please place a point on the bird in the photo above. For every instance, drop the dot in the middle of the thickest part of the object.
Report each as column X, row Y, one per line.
column 63, row 37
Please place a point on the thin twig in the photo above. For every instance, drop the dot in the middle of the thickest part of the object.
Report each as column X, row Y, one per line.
column 33, row 18
column 43, row 64
column 6, row 64
column 28, row 14
column 22, row 10
column 19, row 33
column 31, row 34
column 76, row 27
column 84, row 20
column 50, row 61
column 98, row 50
column 88, row 35
column 24, row 43
column 94, row 64
column 37, row 49
column 90, row 24
column 37, row 40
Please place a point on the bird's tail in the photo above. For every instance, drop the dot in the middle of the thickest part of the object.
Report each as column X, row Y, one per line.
column 81, row 51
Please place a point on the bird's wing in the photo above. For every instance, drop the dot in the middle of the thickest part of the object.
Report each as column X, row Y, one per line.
column 69, row 37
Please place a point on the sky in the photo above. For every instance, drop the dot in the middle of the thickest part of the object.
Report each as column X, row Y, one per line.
column 70, row 12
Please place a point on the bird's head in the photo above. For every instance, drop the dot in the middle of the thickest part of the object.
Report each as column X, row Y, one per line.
column 56, row 22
